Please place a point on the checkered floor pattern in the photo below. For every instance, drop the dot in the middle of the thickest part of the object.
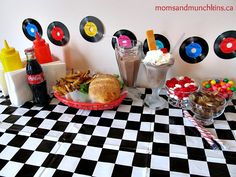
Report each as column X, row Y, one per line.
column 131, row 140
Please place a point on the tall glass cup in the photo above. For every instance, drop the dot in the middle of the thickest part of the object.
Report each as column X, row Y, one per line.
column 128, row 59
column 156, row 75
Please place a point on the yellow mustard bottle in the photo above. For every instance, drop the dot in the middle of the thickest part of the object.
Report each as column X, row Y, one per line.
column 10, row 58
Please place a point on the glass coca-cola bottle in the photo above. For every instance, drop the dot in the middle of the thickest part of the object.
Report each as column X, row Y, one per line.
column 36, row 79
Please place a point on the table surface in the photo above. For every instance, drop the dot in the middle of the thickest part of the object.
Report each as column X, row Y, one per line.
column 130, row 140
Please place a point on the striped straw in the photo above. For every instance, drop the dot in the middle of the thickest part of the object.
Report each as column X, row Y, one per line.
column 214, row 138
column 208, row 136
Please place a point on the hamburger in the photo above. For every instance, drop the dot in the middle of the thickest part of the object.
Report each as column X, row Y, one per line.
column 104, row 88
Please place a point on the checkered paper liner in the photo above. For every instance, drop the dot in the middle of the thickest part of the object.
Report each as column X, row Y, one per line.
column 131, row 141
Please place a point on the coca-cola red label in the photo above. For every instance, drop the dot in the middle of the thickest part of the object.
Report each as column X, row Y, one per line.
column 35, row 79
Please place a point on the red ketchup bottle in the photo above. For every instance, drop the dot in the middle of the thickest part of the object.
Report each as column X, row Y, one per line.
column 42, row 50
column 36, row 79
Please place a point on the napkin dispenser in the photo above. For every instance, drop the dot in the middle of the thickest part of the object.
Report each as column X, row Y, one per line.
column 3, row 84
column 18, row 88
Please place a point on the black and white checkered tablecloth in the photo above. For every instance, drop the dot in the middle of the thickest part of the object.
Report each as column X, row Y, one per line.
column 131, row 140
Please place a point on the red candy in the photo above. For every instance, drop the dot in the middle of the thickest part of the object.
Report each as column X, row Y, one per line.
column 172, row 82
column 188, row 80
column 181, row 87
column 182, row 82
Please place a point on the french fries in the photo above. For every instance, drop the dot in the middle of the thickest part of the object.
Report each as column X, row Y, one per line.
column 72, row 81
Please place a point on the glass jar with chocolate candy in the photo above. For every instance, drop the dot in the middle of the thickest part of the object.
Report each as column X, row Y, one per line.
column 206, row 106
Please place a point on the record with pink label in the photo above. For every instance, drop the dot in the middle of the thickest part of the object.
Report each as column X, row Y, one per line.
column 123, row 37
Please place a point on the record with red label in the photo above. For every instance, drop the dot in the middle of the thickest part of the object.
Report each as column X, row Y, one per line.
column 91, row 29
column 225, row 45
column 30, row 27
column 58, row 33
column 193, row 50
column 161, row 42
column 123, row 37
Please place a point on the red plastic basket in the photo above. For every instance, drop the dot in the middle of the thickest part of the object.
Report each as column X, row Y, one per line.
column 89, row 105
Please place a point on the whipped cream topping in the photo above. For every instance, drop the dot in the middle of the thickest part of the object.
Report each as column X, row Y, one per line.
column 156, row 57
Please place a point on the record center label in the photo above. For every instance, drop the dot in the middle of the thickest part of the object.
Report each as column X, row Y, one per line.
column 90, row 29
column 228, row 45
column 57, row 33
column 31, row 29
column 124, row 41
column 193, row 50
column 159, row 44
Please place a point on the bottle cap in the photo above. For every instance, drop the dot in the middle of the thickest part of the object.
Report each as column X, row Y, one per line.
column 29, row 52
column 38, row 41
column 7, row 50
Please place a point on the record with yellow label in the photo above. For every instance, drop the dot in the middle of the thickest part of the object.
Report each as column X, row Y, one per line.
column 91, row 28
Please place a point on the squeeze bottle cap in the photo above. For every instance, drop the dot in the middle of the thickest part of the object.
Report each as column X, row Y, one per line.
column 7, row 50
column 38, row 41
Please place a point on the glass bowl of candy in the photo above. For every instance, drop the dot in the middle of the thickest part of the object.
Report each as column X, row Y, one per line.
column 206, row 106
column 224, row 87
column 179, row 89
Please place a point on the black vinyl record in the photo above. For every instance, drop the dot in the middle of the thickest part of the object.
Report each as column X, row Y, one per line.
column 30, row 27
column 124, row 38
column 58, row 33
column 193, row 50
column 161, row 42
column 91, row 28
column 225, row 45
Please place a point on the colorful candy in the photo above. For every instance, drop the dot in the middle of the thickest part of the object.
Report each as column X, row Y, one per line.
column 231, row 83
column 224, row 87
column 233, row 89
column 208, row 85
column 213, row 82
column 225, row 80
